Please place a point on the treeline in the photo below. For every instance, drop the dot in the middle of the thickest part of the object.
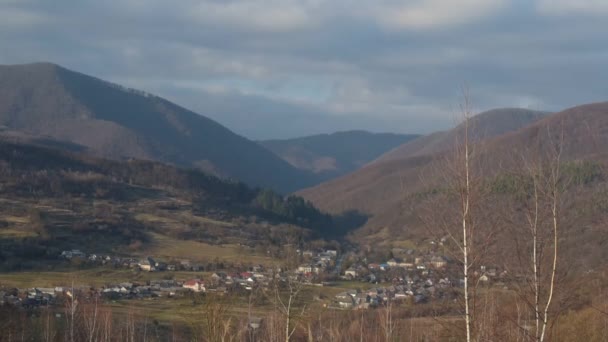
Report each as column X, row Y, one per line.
column 296, row 210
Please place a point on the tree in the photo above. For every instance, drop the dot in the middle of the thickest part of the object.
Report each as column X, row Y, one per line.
column 286, row 297
column 539, row 199
column 461, row 214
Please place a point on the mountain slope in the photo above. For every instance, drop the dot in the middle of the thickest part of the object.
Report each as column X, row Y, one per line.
column 384, row 181
column 400, row 194
column 54, row 200
column 332, row 155
column 485, row 125
column 45, row 99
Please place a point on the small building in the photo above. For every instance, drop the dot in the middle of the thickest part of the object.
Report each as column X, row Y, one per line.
column 195, row 285
column 351, row 272
column 438, row 262
column 255, row 323
column 332, row 252
column 305, row 269
column 145, row 265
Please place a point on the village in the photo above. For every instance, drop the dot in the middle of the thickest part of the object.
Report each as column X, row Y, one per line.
column 410, row 278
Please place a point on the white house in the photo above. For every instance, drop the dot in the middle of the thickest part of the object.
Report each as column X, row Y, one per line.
column 351, row 272
column 195, row 285
column 305, row 269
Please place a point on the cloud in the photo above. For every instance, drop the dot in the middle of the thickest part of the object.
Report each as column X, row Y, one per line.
column 435, row 14
column 278, row 67
column 573, row 7
column 269, row 15
column 13, row 19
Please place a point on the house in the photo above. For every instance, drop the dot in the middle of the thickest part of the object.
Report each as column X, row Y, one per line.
column 145, row 265
column 344, row 300
column 325, row 257
column 392, row 262
column 195, row 285
column 185, row 264
column 74, row 253
column 400, row 295
column 438, row 262
column 372, row 278
column 219, row 276
column 405, row 264
column 332, row 252
column 255, row 323
column 351, row 272
column 305, row 268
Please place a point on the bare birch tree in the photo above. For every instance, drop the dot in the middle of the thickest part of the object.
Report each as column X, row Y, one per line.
column 538, row 197
column 459, row 214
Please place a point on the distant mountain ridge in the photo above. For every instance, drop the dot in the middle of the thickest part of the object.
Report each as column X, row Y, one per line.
column 113, row 121
column 377, row 186
column 486, row 124
column 332, row 155
column 390, row 191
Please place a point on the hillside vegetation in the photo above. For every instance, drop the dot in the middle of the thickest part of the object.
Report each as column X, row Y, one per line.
column 54, row 200
column 393, row 192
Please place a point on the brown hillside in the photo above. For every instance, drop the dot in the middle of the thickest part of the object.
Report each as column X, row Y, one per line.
column 383, row 189
column 384, row 181
column 396, row 193
column 485, row 125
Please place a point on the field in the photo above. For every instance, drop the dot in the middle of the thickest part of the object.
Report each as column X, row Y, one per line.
column 98, row 276
column 165, row 247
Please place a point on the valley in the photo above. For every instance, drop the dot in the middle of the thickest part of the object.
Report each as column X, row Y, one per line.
column 349, row 234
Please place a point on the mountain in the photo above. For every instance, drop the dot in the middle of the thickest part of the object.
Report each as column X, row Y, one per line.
column 332, row 155
column 394, row 193
column 484, row 125
column 47, row 100
column 382, row 182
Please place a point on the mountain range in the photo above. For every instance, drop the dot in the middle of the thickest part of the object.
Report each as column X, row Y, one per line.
column 377, row 186
column 48, row 105
column 336, row 154
column 49, row 101
column 392, row 190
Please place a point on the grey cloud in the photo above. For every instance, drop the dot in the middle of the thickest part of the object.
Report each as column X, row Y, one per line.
column 260, row 65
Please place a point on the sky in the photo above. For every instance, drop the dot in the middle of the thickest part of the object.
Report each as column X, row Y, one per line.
column 286, row 68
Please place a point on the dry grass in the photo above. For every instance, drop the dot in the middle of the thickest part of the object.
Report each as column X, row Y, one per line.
column 16, row 219
column 173, row 220
column 14, row 233
column 91, row 277
column 166, row 247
